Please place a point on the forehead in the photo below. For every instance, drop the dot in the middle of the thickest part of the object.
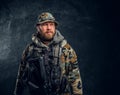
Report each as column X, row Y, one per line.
column 49, row 22
column 45, row 23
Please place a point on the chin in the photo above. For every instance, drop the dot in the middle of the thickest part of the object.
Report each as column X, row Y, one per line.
column 50, row 39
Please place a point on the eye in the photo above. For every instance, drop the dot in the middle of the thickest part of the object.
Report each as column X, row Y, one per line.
column 44, row 24
column 52, row 24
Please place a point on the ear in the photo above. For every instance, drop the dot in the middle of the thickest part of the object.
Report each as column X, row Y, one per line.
column 37, row 27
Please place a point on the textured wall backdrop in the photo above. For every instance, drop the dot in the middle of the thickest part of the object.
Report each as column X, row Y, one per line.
column 82, row 22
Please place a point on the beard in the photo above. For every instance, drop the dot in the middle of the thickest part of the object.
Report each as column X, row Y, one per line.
column 47, row 36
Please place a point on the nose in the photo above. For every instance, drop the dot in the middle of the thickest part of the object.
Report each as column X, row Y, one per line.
column 48, row 26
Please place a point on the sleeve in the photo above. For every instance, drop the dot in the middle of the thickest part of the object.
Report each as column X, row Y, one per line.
column 19, row 87
column 74, row 77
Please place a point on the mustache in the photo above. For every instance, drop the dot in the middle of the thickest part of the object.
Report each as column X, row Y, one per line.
column 49, row 31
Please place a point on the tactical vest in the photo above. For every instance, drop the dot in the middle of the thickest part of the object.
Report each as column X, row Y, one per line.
column 43, row 67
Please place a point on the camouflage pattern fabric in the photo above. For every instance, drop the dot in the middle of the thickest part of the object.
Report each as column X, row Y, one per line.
column 68, row 63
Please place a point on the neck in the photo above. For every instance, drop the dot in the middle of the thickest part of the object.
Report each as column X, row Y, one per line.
column 46, row 42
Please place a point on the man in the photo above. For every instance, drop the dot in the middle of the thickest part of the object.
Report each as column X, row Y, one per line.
column 49, row 64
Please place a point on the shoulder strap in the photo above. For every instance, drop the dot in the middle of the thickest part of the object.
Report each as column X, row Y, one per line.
column 58, row 51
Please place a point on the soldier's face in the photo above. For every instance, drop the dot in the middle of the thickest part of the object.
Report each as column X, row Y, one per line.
column 46, row 30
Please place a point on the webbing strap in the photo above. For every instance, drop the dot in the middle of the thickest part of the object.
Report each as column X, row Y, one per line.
column 58, row 51
column 56, row 54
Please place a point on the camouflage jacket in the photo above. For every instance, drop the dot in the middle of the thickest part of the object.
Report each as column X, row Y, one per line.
column 68, row 65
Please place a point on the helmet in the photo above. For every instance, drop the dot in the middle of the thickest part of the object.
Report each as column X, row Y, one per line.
column 46, row 17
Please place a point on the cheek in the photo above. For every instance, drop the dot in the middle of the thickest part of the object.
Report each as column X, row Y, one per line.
column 53, row 29
column 43, row 29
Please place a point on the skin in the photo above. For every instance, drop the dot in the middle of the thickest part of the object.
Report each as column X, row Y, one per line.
column 46, row 31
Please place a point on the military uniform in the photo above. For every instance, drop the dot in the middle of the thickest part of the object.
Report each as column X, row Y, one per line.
column 59, row 73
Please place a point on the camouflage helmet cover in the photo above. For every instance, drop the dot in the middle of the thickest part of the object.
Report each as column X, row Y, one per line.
column 46, row 17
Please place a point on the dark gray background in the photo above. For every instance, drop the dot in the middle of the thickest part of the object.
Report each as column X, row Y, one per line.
column 86, row 24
